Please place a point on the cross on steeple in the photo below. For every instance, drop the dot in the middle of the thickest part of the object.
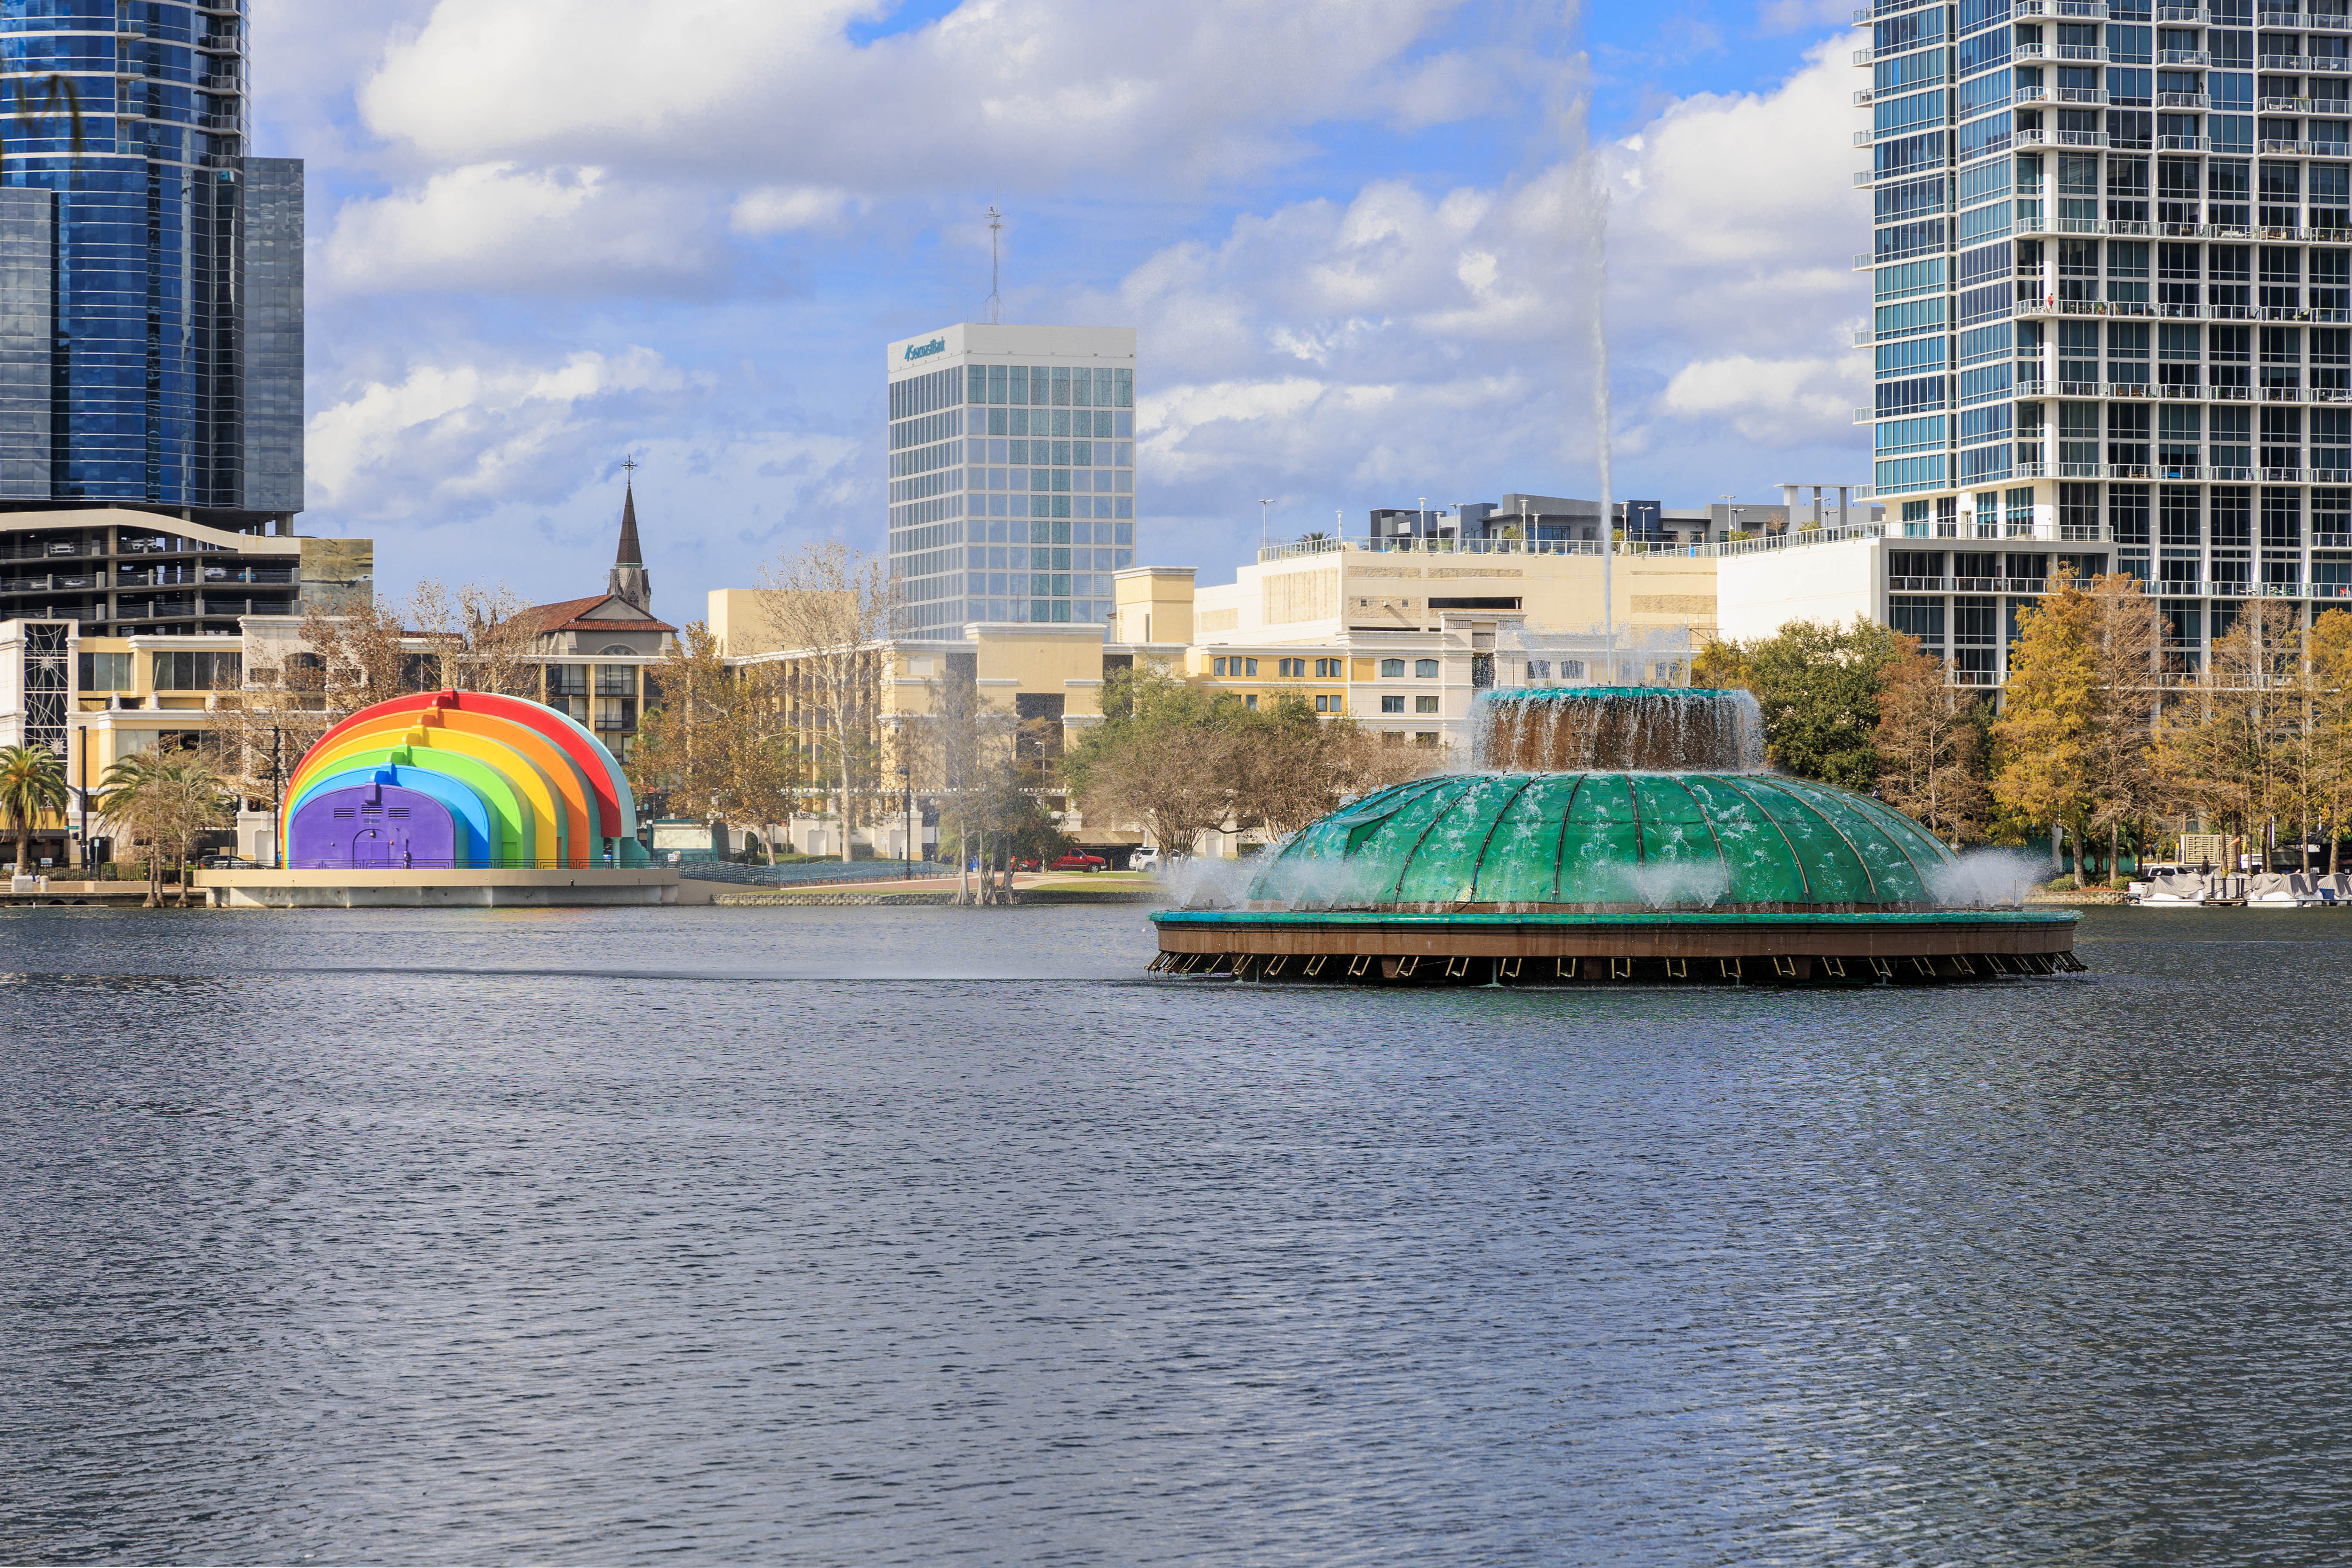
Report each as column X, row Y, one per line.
column 629, row 579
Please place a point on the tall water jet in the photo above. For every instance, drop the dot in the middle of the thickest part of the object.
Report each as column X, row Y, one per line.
column 1597, row 242
column 1614, row 834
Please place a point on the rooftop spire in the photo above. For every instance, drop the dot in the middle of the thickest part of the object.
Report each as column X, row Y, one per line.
column 629, row 579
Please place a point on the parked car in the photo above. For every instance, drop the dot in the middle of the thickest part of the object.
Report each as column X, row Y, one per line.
column 229, row 863
column 1080, row 863
column 1144, row 859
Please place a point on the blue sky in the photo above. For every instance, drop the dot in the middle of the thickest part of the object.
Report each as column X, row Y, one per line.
column 1355, row 236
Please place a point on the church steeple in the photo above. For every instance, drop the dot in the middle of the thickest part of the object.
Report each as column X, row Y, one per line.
column 629, row 579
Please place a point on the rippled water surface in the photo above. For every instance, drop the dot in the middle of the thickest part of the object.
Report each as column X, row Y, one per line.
column 858, row 1235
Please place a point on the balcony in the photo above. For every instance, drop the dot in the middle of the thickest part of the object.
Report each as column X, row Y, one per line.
column 1862, row 97
column 2280, row 63
column 2183, row 15
column 2079, row 138
column 1864, row 338
column 1861, row 56
column 1864, row 138
column 2183, row 58
column 2281, row 146
column 2184, row 143
column 2079, row 94
column 2078, row 51
column 2286, row 106
column 2184, row 101
column 2268, row 17
column 1863, row 179
column 2327, row 65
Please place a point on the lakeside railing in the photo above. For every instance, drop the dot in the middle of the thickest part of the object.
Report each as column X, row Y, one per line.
column 1760, row 543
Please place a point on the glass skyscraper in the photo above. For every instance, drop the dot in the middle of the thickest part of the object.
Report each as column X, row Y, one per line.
column 1013, row 493
column 151, row 271
column 2111, row 262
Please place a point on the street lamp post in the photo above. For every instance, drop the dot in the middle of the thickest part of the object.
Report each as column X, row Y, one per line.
column 906, row 781
column 85, row 797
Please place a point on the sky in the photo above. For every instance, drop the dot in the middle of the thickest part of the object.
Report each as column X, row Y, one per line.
column 1360, row 240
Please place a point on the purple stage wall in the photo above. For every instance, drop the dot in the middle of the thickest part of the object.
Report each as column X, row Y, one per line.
column 371, row 825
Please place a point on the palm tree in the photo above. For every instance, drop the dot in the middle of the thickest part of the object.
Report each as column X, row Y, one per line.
column 31, row 782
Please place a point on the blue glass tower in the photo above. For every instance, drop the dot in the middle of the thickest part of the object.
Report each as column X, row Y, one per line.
column 150, row 272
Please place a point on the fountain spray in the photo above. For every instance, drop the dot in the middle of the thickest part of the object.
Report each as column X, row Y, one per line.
column 1597, row 242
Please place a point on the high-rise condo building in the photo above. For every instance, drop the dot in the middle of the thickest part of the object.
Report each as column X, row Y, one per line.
column 2112, row 262
column 1013, row 493
column 150, row 270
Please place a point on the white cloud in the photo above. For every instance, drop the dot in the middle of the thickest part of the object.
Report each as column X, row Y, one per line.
column 1407, row 342
column 497, row 225
column 1732, row 235
column 463, row 433
column 1799, row 15
column 1774, row 403
column 1053, row 87
column 778, row 209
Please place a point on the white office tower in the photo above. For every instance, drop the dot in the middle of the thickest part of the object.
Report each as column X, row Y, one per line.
column 1012, row 474
column 2112, row 266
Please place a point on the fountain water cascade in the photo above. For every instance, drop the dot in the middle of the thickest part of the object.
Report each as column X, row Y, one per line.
column 1612, row 834
column 1638, row 729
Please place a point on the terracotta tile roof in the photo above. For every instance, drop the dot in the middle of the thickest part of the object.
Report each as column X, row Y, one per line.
column 566, row 617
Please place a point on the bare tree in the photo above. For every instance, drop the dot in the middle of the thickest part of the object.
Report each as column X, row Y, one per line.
column 1295, row 764
column 2219, row 743
column 2330, row 717
column 714, row 742
column 284, row 695
column 480, row 638
column 829, row 607
column 2118, row 742
column 1931, row 746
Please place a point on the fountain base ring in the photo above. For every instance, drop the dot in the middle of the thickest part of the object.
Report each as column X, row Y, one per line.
column 1743, row 947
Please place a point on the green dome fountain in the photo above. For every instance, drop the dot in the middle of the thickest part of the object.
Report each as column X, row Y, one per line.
column 1594, row 848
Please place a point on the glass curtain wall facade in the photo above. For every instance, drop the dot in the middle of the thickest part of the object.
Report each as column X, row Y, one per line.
column 1013, row 493
column 2112, row 268
column 150, row 272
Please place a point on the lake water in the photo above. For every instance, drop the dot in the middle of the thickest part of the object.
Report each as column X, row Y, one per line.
column 867, row 1235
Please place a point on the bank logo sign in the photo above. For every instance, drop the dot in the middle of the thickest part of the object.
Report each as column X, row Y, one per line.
column 921, row 351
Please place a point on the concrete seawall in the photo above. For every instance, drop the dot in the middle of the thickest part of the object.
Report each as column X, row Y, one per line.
column 551, row 888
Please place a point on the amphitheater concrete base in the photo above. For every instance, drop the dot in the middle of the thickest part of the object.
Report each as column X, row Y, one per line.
column 1748, row 947
column 440, row 890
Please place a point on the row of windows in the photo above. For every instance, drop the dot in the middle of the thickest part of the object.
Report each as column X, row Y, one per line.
column 1102, row 425
column 1058, row 454
column 1056, row 558
column 1055, row 506
column 1038, row 585
column 1103, row 479
column 1063, row 386
column 1041, row 530
column 1243, row 667
column 1020, row 611
column 1285, row 668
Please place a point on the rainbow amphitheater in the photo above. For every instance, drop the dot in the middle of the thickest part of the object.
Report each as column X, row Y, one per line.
column 455, row 798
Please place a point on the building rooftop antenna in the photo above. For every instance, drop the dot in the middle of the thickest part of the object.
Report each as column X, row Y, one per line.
column 995, row 303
